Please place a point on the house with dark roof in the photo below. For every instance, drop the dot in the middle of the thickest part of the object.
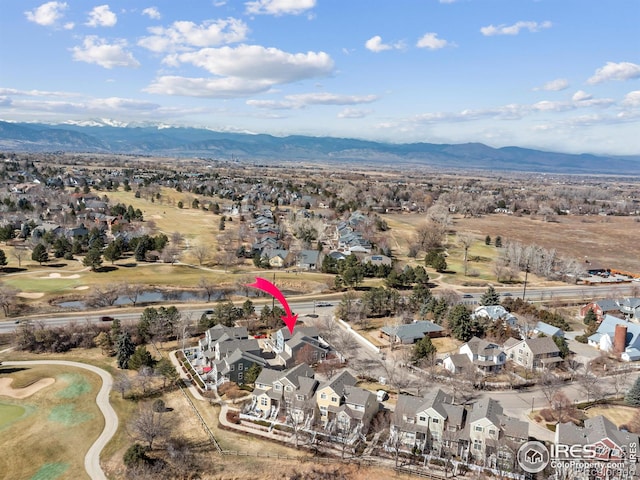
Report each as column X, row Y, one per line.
column 493, row 436
column 342, row 405
column 309, row 260
column 608, row 442
column 485, row 356
column 534, row 353
column 409, row 333
column 429, row 423
column 601, row 308
column 233, row 366
column 288, row 347
column 630, row 308
column 288, row 393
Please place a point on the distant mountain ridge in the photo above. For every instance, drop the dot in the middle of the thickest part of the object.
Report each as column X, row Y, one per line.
column 162, row 140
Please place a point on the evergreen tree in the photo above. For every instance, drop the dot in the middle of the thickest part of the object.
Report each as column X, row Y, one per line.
column 40, row 254
column 590, row 317
column 423, row 348
column 124, row 349
column 487, row 240
column 3, row 259
column 113, row 251
column 490, row 297
column 498, row 241
column 253, row 372
column 93, row 259
column 140, row 358
column 462, row 326
column 632, row 397
column 562, row 346
column 440, row 263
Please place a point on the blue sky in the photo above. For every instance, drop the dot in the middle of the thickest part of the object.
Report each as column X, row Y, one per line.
column 558, row 75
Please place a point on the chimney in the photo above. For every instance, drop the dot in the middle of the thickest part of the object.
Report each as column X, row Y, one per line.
column 620, row 339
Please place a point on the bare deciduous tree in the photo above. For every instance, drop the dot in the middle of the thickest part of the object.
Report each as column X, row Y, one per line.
column 201, row 252
column 148, row 425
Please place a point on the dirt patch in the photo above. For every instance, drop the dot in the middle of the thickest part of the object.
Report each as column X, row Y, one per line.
column 6, row 390
column 31, row 295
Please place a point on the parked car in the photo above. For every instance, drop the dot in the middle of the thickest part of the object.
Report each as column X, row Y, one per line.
column 106, row 319
column 324, row 304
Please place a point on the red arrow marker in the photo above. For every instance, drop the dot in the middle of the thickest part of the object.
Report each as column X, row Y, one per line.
column 266, row 286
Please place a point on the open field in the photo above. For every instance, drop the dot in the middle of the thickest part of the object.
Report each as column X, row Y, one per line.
column 618, row 414
column 59, row 423
column 610, row 242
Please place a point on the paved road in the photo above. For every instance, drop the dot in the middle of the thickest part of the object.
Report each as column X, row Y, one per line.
column 92, row 458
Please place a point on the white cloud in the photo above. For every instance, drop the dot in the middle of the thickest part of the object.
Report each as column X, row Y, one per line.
column 69, row 26
column 375, row 45
column 515, row 28
column 257, row 63
column 353, row 113
column 152, row 12
column 554, row 85
column 581, row 96
column 47, row 14
column 229, row 87
column 97, row 50
column 303, row 100
column 330, row 99
column 631, row 99
column 432, row 42
column 34, row 93
column 279, row 7
column 102, row 16
column 615, row 71
column 183, row 34
column 447, row 1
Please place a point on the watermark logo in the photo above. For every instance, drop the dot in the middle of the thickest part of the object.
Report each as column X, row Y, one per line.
column 533, row 457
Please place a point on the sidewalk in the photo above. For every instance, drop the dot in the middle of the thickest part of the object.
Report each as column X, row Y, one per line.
column 281, row 437
column 189, row 383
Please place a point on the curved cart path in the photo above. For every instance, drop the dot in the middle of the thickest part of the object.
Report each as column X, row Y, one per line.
column 92, row 458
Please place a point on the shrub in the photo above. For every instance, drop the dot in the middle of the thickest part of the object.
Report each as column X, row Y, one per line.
column 233, row 416
column 135, row 455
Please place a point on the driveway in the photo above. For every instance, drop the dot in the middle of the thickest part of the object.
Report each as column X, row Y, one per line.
column 92, row 458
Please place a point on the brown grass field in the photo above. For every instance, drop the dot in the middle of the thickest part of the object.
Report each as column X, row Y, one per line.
column 618, row 414
column 60, row 424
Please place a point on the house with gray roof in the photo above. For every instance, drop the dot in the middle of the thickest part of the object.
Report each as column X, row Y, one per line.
column 630, row 308
column 288, row 393
column 429, row 423
column 492, row 435
column 344, row 407
column 495, row 313
column 309, row 260
column 487, row 357
column 607, row 327
column 288, row 347
column 609, row 443
column 601, row 308
column 543, row 328
column 409, row 333
column 233, row 367
column 535, row 353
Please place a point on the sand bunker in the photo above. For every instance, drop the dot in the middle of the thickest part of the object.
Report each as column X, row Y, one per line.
column 31, row 294
column 8, row 391
column 82, row 287
column 58, row 275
